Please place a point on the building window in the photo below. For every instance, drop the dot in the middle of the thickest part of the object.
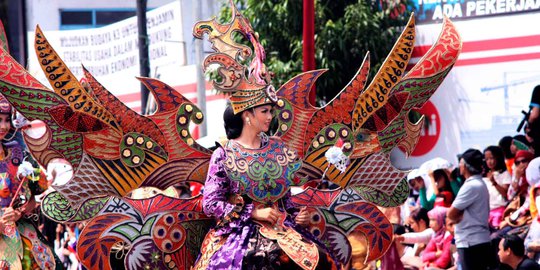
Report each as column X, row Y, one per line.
column 92, row 18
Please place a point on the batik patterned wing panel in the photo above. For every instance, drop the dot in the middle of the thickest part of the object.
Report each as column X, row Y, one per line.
column 397, row 198
column 66, row 85
column 156, row 233
column 294, row 110
column 333, row 221
column 187, row 159
column 33, row 100
column 377, row 93
column 378, row 173
column 340, row 109
column 127, row 119
column 421, row 82
column 56, row 207
column 170, row 100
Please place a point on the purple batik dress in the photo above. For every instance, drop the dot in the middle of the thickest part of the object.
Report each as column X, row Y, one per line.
column 235, row 242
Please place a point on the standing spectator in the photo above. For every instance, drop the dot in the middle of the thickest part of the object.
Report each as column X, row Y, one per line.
column 470, row 212
column 505, row 144
column 420, row 183
column 534, row 120
column 497, row 180
column 512, row 253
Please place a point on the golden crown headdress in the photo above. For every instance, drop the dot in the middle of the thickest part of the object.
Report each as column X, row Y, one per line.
column 248, row 85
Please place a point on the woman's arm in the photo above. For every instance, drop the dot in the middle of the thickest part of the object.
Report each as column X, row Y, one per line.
column 217, row 191
column 424, row 201
column 417, row 237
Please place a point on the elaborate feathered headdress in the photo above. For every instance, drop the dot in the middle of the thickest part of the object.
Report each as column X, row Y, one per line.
column 248, row 85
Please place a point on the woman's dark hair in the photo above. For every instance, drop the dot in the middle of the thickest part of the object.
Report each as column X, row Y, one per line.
column 420, row 214
column 233, row 123
column 498, row 155
column 442, row 174
column 522, row 139
column 505, row 144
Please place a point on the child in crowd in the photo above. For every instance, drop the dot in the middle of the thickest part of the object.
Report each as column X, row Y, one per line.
column 497, row 180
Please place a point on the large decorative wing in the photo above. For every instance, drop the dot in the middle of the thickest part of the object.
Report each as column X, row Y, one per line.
column 337, row 214
column 112, row 149
column 353, row 116
column 370, row 121
column 421, row 82
column 156, row 233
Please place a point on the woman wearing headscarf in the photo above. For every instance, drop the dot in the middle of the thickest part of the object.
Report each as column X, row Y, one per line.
column 438, row 253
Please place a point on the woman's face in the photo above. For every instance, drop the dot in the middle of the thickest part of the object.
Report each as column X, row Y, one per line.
column 417, row 183
column 413, row 224
column 440, row 181
column 434, row 225
column 260, row 118
column 490, row 160
column 5, row 125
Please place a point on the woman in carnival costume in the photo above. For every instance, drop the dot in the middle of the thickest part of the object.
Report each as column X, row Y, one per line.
column 21, row 244
column 247, row 189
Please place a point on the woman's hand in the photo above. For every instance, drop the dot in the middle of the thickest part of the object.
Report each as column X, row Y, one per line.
column 399, row 238
column 267, row 214
column 11, row 215
column 302, row 218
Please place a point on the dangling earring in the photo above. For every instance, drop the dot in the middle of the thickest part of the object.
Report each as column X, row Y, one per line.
column 248, row 121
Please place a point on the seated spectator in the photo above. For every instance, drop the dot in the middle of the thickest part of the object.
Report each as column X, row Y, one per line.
column 512, row 254
column 419, row 223
column 438, row 253
column 532, row 241
column 450, row 227
column 517, row 211
column 497, row 181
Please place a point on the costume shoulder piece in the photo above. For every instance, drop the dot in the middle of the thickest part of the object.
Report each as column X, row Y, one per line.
column 266, row 173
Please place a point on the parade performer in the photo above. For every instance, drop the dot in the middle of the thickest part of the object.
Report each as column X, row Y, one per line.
column 21, row 245
column 114, row 150
column 248, row 191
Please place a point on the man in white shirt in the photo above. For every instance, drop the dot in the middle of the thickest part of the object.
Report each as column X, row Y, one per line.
column 470, row 213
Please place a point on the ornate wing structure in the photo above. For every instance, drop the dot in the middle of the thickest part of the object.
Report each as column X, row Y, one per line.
column 114, row 150
column 371, row 122
column 156, row 233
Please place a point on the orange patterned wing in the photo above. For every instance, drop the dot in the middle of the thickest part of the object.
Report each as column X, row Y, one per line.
column 390, row 73
column 66, row 85
column 421, row 82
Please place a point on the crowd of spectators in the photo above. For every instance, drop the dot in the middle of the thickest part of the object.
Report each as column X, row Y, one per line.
column 482, row 213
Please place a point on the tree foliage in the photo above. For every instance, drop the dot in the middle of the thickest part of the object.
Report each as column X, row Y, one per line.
column 345, row 31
